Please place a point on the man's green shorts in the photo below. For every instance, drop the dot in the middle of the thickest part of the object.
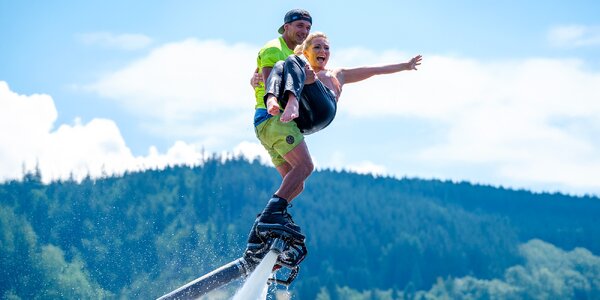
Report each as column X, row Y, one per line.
column 278, row 138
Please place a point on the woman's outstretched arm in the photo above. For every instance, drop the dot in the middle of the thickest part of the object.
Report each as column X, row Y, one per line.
column 349, row 75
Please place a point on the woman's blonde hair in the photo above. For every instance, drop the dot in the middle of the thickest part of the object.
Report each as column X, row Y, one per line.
column 308, row 41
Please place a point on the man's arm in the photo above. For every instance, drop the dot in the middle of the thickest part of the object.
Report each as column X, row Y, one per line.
column 349, row 75
column 266, row 71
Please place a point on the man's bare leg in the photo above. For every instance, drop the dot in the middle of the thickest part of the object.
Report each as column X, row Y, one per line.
column 301, row 167
column 283, row 169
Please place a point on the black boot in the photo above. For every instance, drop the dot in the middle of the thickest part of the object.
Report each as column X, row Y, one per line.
column 276, row 212
column 276, row 221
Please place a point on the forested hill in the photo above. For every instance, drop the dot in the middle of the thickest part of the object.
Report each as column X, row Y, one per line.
column 139, row 235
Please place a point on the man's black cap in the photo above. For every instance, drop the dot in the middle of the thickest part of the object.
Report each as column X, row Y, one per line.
column 295, row 15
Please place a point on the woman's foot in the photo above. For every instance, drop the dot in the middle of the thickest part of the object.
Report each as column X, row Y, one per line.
column 272, row 105
column 291, row 110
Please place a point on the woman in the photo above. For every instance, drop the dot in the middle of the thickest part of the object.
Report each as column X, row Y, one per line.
column 288, row 82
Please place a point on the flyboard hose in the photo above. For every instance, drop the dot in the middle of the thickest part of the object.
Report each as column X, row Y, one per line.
column 288, row 243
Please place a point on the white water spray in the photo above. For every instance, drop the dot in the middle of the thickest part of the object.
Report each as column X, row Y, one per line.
column 255, row 286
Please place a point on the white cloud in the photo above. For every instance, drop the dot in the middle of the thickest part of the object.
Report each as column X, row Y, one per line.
column 573, row 36
column 338, row 160
column 252, row 151
column 367, row 167
column 181, row 153
column 125, row 41
column 25, row 123
column 96, row 148
column 182, row 87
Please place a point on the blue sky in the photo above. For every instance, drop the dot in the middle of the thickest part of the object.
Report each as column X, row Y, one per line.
column 508, row 93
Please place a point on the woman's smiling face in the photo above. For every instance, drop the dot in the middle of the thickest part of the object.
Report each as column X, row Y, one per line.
column 317, row 53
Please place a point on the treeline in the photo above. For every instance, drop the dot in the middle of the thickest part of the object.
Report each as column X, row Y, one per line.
column 547, row 273
column 139, row 235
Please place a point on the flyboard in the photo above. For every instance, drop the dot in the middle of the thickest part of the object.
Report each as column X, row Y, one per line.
column 288, row 243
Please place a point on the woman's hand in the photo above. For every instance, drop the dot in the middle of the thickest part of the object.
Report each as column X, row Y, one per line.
column 414, row 62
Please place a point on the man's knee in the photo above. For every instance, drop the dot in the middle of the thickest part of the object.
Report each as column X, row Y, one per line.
column 307, row 168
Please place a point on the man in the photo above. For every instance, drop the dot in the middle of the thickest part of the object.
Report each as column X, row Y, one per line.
column 283, row 140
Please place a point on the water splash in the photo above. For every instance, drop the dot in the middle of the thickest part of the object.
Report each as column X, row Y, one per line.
column 255, row 286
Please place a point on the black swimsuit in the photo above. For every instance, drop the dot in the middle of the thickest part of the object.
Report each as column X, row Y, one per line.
column 317, row 103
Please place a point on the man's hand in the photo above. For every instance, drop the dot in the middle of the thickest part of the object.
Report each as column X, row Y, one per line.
column 256, row 79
